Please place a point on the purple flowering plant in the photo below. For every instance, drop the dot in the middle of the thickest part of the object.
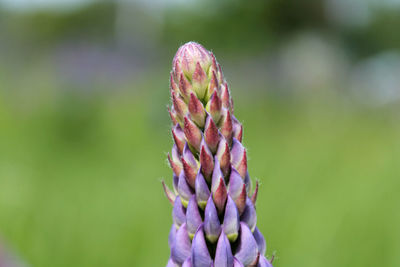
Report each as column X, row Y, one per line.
column 214, row 215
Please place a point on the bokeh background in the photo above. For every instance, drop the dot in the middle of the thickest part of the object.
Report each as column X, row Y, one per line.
column 84, row 130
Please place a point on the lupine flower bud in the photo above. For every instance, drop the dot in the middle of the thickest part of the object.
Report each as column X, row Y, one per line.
column 181, row 248
column 223, row 253
column 212, row 226
column 178, row 213
column 193, row 217
column 214, row 216
column 202, row 191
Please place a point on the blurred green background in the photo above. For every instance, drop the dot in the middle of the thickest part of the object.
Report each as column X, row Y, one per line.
column 84, row 130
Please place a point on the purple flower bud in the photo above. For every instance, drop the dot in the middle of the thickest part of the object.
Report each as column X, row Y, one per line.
column 249, row 215
column 225, row 96
column 237, row 129
column 218, row 187
column 181, row 249
column 193, row 217
column 184, row 190
column 237, row 190
column 180, row 106
column 202, row 191
column 196, row 110
column 171, row 236
column 224, row 156
column 231, row 220
column 184, row 86
column 226, row 125
column 200, row 254
column 173, row 115
column 214, row 107
column 175, row 161
column 192, row 133
column 206, row 161
column 170, row 195
column 263, row 262
column 211, row 134
column 188, row 56
column 178, row 213
column 179, row 138
column 262, row 246
column 212, row 226
column 255, row 194
column 247, row 250
column 200, row 81
column 223, row 253
column 213, row 86
column 239, row 158
column 190, row 166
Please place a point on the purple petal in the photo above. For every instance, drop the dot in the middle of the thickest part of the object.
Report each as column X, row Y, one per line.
column 212, row 226
column 179, row 137
column 218, row 187
column 187, row 263
column 235, row 184
column 231, row 220
column 237, row 190
column 184, row 190
column 224, row 156
column 249, row 215
column 223, row 253
column 238, row 157
column 178, row 213
column 200, row 254
column 193, row 217
column 211, row 135
column 171, row 236
column 237, row 263
column 202, row 191
column 193, row 133
column 226, row 125
column 206, row 161
column 196, row 110
column 190, row 165
column 262, row 246
column 247, row 250
column 181, row 248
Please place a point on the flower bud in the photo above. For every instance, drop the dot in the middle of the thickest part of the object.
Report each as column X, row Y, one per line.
column 193, row 133
column 202, row 191
column 199, row 253
column 193, row 217
column 247, row 250
column 182, row 246
column 223, row 252
column 178, row 213
column 211, row 134
column 212, row 226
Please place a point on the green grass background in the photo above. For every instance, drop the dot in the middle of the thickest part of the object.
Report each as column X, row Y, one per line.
column 80, row 177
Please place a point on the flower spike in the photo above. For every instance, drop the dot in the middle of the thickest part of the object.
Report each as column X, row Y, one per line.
column 214, row 215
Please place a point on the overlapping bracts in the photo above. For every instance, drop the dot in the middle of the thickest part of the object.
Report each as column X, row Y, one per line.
column 214, row 216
